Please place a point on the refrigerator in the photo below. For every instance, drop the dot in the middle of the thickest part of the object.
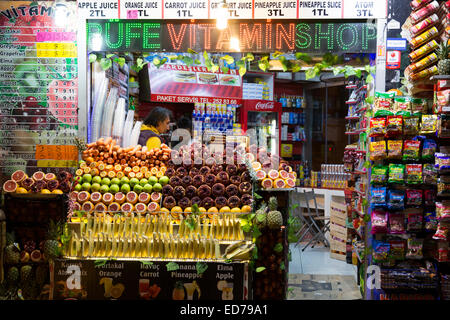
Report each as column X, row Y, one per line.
column 261, row 121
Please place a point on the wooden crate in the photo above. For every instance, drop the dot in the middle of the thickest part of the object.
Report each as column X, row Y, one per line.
column 338, row 255
column 338, row 231
column 339, row 246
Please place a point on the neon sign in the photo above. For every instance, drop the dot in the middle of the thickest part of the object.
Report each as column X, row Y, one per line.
column 254, row 36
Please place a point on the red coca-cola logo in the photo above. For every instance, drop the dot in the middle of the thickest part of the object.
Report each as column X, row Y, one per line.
column 264, row 105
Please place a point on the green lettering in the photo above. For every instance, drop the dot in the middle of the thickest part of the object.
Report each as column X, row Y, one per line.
column 328, row 35
column 303, row 40
column 129, row 34
column 151, row 36
column 340, row 36
column 119, row 41
column 93, row 30
column 369, row 32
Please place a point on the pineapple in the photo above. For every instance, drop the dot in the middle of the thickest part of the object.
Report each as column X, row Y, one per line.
column 52, row 247
column 273, row 204
column 12, row 254
column 444, row 61
column 261, row 216
column 274, row 217
column 13, row 275
column 26, row 274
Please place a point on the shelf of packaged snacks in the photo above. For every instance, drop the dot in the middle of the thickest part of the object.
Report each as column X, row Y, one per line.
column 352, row 102
column 356, row 132
column 440, row 77
column 154, row 259
column 278, row 189
column 358, row 212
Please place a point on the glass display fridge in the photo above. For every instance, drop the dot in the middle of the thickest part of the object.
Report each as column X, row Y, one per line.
column 261, row 122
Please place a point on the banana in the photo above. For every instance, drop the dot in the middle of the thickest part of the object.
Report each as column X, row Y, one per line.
column 125, row 248
column 216, row 249
column 244, row 254
column 234, row 246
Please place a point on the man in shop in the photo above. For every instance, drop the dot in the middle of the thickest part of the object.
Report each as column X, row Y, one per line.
column 155, row 124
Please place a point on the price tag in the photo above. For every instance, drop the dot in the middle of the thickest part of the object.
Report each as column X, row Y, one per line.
column 99, row 9
column 55, row 50
column 56, row 163
column 369, row 9
column 141, row 9
column 281, row 9
column 188, row 9
column 238, row 9
column 312, row 9
column 56, row 152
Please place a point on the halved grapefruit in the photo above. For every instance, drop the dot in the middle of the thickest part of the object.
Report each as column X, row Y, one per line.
column 141, row 207
column 267, row 183
column 153, row 207
column 38, row 175
column 273, row 174
column 256, row 165
column 279, row 184
column 119, row 197
column 73, row 195
column 156, row 197
column 79, row 172
column 50, row 176
column 127, row 207
column 18, row 176
column 283, row 174
column 261, row 174
column 87, row 206
column 144, row 197
column 250, row 157
column 290, row 183
column 27, row 183
column 100, row 207
column 292, row 175
column 132, row 197
column 10, row 186
column 83, row 196
column 76, row 206
column 108, row 198
column 114, row 207
column 96, row 197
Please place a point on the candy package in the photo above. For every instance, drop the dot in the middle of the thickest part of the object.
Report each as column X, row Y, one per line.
column 394, row 126
column 411, row 150
column 397, row 249
column 443, row 126
column 421, row 11
column 431, row 222
column 396, row 200
column 418, row 106
column 429, row 124
column 379, row 221
column 441, row 233
column 429, row 197
column 396, row 223
column 429, row 173
column 414, row 197
column 380, row 251
column 443, row 189
column 443, row 100
column 402, row 106
column 415, row 219
column 413, row 173
column 395, row 148
column 378, row 196
column 443, row 210
column 415, row 248
column 428, row 149
column 378, row 150
column 377, row 127
column 383, row 105
column 423, row 63
column 379, row 174
column 411, row 126
column 396, row 173
column 417, row 4
column 442, row 162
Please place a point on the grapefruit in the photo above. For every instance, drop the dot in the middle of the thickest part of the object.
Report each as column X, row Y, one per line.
column 50, row 176
column 73, row 195
column 153, row 207
column 292, row 175
column 279, row 183
column 225, row 209
column 87, row 206
column 156, row 197
column 283, row 174
column 21, row 190
column 144, row 197
column 83, row 196
column 246, row 209
column 38, row 175
column 108, row 198
column 273, row 174
column 141, row 208
column 250, row 157
column 260, row 174
column 256, row 165
column 18, row 176
column 100, row 207
column 114, row 207
column 267, row 183
column 290, row 183
column 96, row 197
column 126, row 207
column 132, row 197
column 119, row 197
column 76, row 206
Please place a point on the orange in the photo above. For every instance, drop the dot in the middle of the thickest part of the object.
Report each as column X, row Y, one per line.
column 101, row 167
column 213, row 210
column 136, row 169
column 46, row 191
column 93, row 164
column 103, row 174
column 83, row 165
column 159, row 174
column 202, row 212
column 120, row 175
column 57, row 191
column 131, row 175
column 165, row 210
column 246, row 209
column 163, row 169
column 154, row 171
column 94, row 172
column 87, row 170
column 235, row 210
column 109, row 167
column 79, row 172
column 111, row 174
column 127, row 170
column 118, row 167
column 256, row 165
column 144, row 170
column 147, row 175
column 187, row 210
column 139, row 175
column 21, row 190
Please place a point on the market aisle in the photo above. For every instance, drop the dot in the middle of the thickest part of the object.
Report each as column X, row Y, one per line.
column 313, row 275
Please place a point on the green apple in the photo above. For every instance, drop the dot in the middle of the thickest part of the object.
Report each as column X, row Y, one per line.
column 125, row 180
column 148, row 188
column 97, row 179
column 87, row 177
column 143, row 182
column 157, row 187
column 138, row 188
column 95, row 187
column 104, row 189
column 78, row 179
column 78, row 187
column 114, row 188
column 106, row 181
column 133, row 182
column 115, row 181
column 152, row 180
column 164, row 180
column 86, row 186
column 125, row 188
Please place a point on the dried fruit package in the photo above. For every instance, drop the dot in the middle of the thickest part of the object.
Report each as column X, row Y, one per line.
column 378, row 196
column 429, row 124
column 394, row 126
column 441, row 233
column 396, row 223
column 377, row 150
column 415, row 219
column 396, row 173
column 402, row 106
column 415, row 248
column 411, row 126
column 396, row 200
column 380, row 251
column 397, row 249
column 413, row 173
column 414, row 197
column 429, row 174
column 429, row 149
column 443, row 101
column 379, row 221
column 379, row 175
column 419, row 106
column 383, row 105
column 377, row 127
column 431, row 221
column 411, row 150
column 395, row 148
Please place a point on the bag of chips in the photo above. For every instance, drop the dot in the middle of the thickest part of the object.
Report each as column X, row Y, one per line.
column 429, row 173
column 383, row 105
column 397, row 249
column 402, row 106
column 379, row 221
column 380, row 251
column 396, row 223
column 415, row 219
column 429, row 197
column 378, row 150
column 396, row 173
column 442, row 162
column 411, row 150
column 429, row 124
column 379, row 174
column 415, row 248
column 394, row 126
column 431, row 221
column 414, row 197
column 413, row 173
column 395, row 148
column 396, row 200
column 411, row 126
column 377, row 127
column 428, row 149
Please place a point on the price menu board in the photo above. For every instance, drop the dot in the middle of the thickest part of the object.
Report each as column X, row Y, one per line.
column 38, row 86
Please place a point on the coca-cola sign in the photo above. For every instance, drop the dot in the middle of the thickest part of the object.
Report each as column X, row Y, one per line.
column 264, row 105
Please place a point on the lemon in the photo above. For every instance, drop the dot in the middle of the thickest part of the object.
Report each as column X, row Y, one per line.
column 46, row 191
column 57, row 191
column 188, row 210
column 235, row 210
column 213, row 210
column 225, row 209
column 21, row 190
column 246, row 209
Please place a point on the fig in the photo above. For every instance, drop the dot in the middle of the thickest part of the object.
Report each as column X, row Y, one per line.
column 170, row 172
column 167, row 190
column 204, row 191
column 184, row 202
column 231, row 169
column 236, row 180
column 245, row 177
column 175, row 181
column 215, row 169
column 234, row 202
column 204, row 171
column 246, row 199
column 218, row 189
column 52, row 185
column 196, row 200
column 181, row 171
column 207, row 203
column 198, row 180
column 223, row 177
column 221, row 202
column 38, row 186
column 178, row 192
column 193, row 172
column 169, row 202
column 210, row 179
column 65, row 186
column 245, row 187
column 186, row 181
column 190, row 192
column 63, row 176
column 231, row 190
column 242, row 167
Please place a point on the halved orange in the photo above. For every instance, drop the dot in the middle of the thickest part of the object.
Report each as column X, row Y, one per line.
column 101, row 166
column 83, row 165
column 139, row 175
column 127, row 170
column 103, row 174
column 144, row 169
column 109, row 167
column 163, row 169
column 111, row 174
column 136, row 169
column 159, row 174
column 79, row 172
column 120, row 174
column 118, row 167
column 94, row 172
column 256, row 165
column 93, row 164
column 147, row 174
column 87, row 169
column 154, row 171
column 131, row 174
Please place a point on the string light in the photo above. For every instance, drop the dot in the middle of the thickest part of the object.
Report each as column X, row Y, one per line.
column 250, row 37
column 340, row 36
column 304, row 39
column 329, row 36
column 287, row 37
column 234, row 44
column 222, row 16
column 176, row 39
